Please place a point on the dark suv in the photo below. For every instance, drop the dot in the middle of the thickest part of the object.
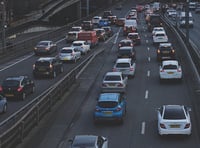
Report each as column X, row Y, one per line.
column 17, row 87
column 165, row 51
column 47, row 66
column 87, row 25
column 127, row 52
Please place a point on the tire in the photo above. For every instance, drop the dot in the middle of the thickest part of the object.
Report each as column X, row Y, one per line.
column 5, row 108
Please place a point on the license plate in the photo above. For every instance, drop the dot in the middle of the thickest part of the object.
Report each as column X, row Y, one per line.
column 165, row 52
column 111, row 84
column 175, row 126
column 108, row 112
column 170, row 72
column 41, row 69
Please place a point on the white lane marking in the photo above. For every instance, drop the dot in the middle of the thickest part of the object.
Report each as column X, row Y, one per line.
column 143, row 128
column 145, row 35
column 148, row 48
column 115, row 41
column 147, row 41
column 16, row 62
column 149, row 59
column 148, row 73
column 146, row 94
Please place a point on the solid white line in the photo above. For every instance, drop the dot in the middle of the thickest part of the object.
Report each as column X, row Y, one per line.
column 148, row 73
column 16, row 62
column 143, row 128
column 115, row 41
column 146, row 94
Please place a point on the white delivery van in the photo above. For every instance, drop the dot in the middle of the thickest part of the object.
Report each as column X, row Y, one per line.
column 182, row 19
column 130, row 25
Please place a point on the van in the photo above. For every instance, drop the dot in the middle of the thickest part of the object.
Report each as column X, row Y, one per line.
column 182, row 19
column 89, row 36
column 71, row 36
column 129, row 26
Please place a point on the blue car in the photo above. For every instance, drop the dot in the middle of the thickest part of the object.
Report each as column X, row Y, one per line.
column 110, row 106
column 103, row 23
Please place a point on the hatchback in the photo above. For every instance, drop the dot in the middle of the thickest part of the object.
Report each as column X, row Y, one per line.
column 174, row 119
column 135, row 37
column 127, row 52
column 165, row 51
column 69, row 54
column 17, row 87
column 110, row 106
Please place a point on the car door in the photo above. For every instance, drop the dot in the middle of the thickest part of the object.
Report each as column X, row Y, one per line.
column 26, row 85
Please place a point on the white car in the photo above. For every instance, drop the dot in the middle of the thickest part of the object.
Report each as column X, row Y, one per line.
column 114, row 82
column 69, row 54
column 82, row 46
column 76, row 28
column 88, row 141
column 160, row 37
column 170, row 69
column 126, row 66
column 96, row 19
column 155, row 29
column 174, row 119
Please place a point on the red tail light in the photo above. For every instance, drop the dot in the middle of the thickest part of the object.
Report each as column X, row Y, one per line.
column 20, row 89
column 187, row 125
column 119, row 84
column 162, row 125
column 131, row 69
column 114, row 69
column 178, row 70
column 118, row 108
column 1, row 89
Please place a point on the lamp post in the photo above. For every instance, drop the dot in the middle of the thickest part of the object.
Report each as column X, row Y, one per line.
column 87, row 7
column 187, row 22
column 3, row 25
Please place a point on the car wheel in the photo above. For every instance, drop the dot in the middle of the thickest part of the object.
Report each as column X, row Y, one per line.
column 5, row 108
column 23, row 96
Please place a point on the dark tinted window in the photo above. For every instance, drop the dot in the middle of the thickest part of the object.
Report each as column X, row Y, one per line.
column 122, row 65
column 125, row 43
column 174, row 113
column 10, row 83
column 165, row 48
column 107, row 104
column 170, row 67
column 66, row 51
column 112, row 78
column 77, row 44
column 43, row 43
column 126, row 51
column 161, row 35
column 42, row 63
column 133, row 36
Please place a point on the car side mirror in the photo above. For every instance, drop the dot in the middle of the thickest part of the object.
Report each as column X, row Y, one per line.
column 189, row 109
column 70, row 140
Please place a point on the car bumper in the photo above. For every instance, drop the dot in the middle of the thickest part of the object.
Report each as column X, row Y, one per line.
column 66, row 58
column 105, row 116
column 175, row 131
column 173, row 76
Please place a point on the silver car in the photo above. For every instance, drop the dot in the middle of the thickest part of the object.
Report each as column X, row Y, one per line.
column 126, row 66
column 3, row 104
column 69, row 54
column 89, row 141
column 114, row 82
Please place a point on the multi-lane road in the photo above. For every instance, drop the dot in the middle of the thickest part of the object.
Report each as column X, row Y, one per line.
column 73, row 115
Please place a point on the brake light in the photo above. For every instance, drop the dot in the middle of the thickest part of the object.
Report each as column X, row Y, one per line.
column 1, row 89
column 118, row 108
column 119, row 84
column 51, row 66
column 131, row 69
column 162, row 125
column 19, row 89
column 187, row 125
column 114, row 69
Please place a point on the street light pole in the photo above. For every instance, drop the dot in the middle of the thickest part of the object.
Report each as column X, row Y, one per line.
column 3, row 25
column 88, row 7
column 187, row 22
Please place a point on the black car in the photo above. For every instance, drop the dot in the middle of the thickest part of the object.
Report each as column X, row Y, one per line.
column 47, row 66
column 45, row 47
column 87, row 25
column 108, row 30
column 17, row 87
column 125, row 42
column 107, row 13
column 127, row 52
column 165, row 51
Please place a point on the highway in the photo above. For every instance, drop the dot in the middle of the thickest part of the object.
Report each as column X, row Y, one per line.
column 145, row 94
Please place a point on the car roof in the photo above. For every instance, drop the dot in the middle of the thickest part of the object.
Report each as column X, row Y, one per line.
column 113, row 73
column 123, row 60
column 126, row 40
column 160, row 32
column 98, row 29
column 109, row 97
column 170, row 62
column 79, row 41
column 80, row 140
column 46, row 58
column 18, row 78
column 133, row 33
column 68, row 48
column 165, row 44
column 126, row 48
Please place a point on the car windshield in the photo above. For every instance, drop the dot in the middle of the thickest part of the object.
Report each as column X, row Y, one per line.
column 174, row 113
column 112, row 78
column 122, row 65
column 169, row 67
column 107, row 104
column 10, row 83
column 66, row 51
column 42, row 63
column 165, row 48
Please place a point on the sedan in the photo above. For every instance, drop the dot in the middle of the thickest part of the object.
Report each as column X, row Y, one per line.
column 110, row 106
column 3, row 104
column 82, row 46
column 170, row 69
column 114, row 82
column 45, row 47
column 174, row 119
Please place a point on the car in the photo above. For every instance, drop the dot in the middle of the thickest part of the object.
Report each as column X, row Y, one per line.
column 127, row 52
column 197, row 9
column 112, row 19
column 110, row 106
column 159, row 37
column 88, row 141
column 47, row 66
column 126, row 65
column 69, row 54
column 87, row 25
column 155, row 29
column 71, row 36
column 96, row 19
column 3, row 104
column 107, row 13
column 171, row 13
column 82, row 46
column 120, row 21
column 165, row 51
column 101, row 34
column 139, row 8
column 174, row 119
column 104, row 22
column 45, row 47
column 17, row 87
column 170, row 70
column 135, row 37
column 114, row 82
column 125, row 42
column 108, row 30
column 76, row 29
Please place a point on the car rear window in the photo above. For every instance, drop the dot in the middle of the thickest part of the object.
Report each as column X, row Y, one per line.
column 165, row 48
column 66, row 51
column 133, row 36
column 160, row 35
column 125, row 43
column 10, row 83
column 77, row 44
column 112, row 78
column 43, row 43
column 107, row 104
column 174, row 114
column 126, row 51
column 170, row 67
column 122, row 65
column 42, row 63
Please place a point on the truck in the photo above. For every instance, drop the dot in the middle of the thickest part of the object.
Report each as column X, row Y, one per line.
column 182, row 20
column 89, row 36
column 130, row 25
column 154, row 21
